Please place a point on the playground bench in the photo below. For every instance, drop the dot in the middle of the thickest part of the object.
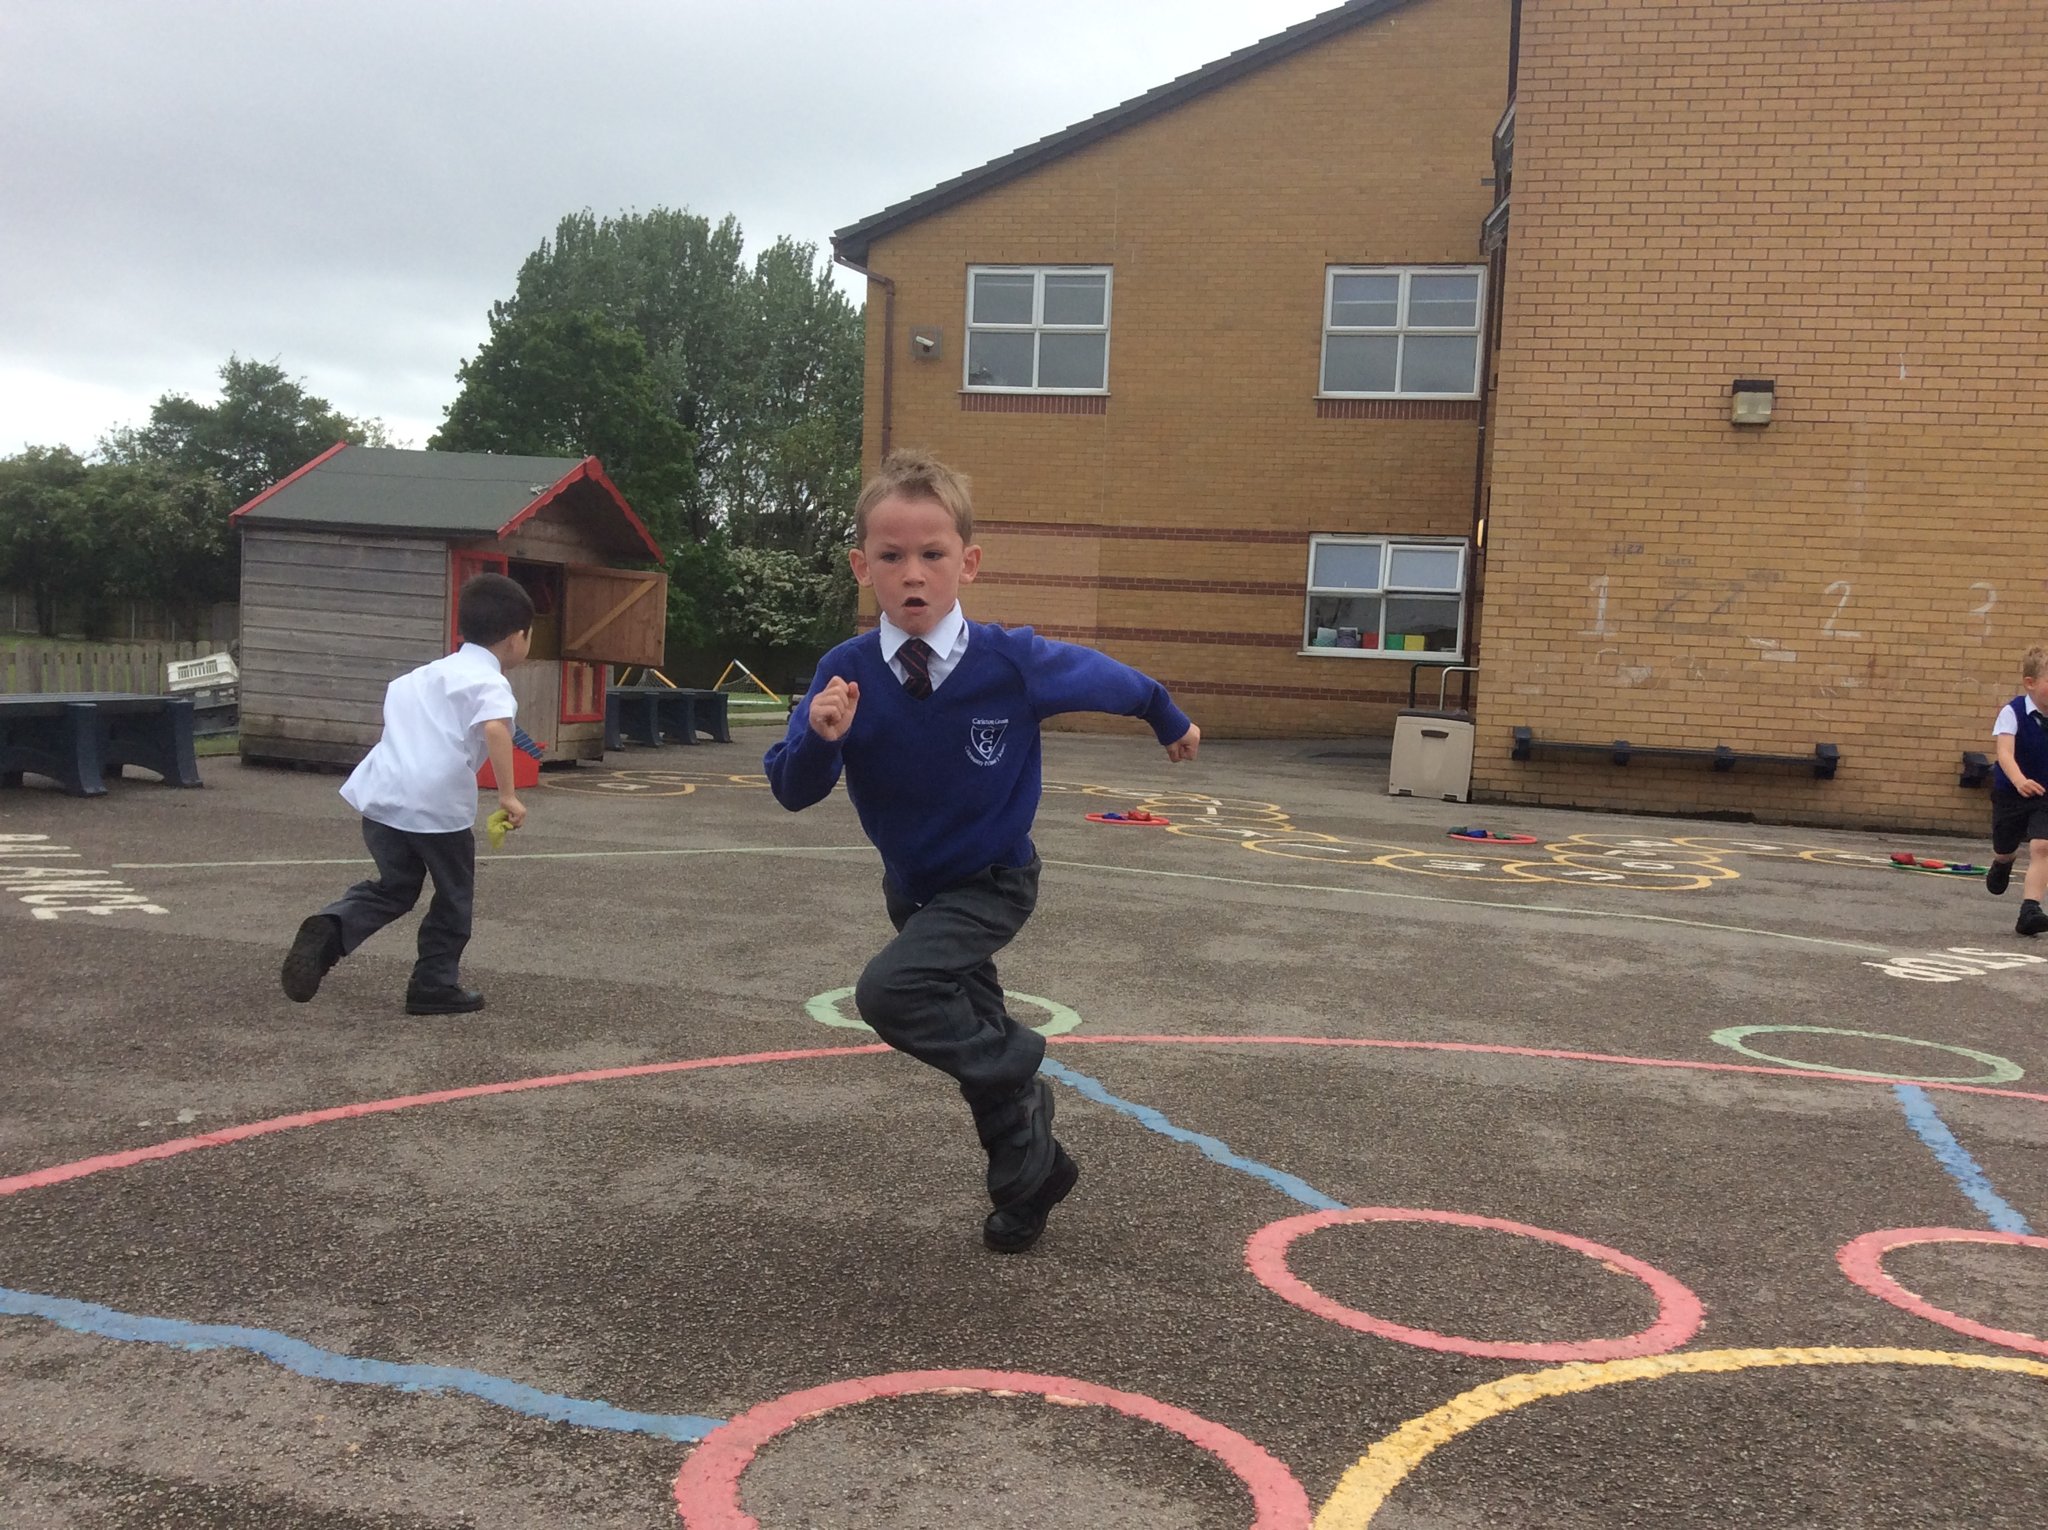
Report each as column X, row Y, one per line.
column 1823, row 761
column 80, row 739
column 650, row 714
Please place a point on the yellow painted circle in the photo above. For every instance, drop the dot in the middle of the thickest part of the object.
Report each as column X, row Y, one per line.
column 623, row 783
column 1363, row 1489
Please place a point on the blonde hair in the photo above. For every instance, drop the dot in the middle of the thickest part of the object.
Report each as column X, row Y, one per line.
column 915, row 475
column 2035, row 663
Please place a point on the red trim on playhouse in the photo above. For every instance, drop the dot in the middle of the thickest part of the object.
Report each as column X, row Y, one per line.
column 588, row 470
column 292, row 477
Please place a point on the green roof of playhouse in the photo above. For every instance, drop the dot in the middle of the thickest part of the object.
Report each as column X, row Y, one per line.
column 449, row 494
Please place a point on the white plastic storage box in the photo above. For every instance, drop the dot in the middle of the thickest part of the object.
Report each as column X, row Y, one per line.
column 1432, row 756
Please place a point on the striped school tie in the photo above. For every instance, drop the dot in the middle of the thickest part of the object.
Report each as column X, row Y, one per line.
column 916, row 658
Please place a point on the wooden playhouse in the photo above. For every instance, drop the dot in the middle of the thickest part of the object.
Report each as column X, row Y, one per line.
column 349, row 572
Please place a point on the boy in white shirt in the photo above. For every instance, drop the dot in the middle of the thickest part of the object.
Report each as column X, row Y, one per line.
column 417, row 793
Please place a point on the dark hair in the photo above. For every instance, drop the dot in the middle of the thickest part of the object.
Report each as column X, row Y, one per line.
column 491, row 608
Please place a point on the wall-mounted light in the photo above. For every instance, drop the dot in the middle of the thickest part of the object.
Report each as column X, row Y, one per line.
column 1750, row 401
column 924, row 342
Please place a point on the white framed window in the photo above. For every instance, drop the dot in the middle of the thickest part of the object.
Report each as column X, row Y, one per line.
column 1402, row 331
column 1037, row 329
column 1374, row 597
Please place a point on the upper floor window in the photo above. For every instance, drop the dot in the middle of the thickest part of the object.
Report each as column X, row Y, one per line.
column 1379, row 595
column 1041, row 329
column 1401, row 331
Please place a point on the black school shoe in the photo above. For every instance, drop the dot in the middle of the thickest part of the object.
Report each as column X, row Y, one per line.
column 1013, row 1229
column 1998, row 878
column 1017, row 1135
column 315, row 950
column 2032, row 921
column 451, row 1000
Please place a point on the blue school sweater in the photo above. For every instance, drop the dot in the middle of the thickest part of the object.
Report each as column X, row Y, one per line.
column 948, row 785
column 2029, row 749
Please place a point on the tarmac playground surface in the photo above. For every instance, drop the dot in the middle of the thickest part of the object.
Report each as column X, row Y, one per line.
column 1657, row 1172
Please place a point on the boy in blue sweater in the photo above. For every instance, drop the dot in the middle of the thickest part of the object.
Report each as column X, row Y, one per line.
column 2019, row 792
column 934, row 721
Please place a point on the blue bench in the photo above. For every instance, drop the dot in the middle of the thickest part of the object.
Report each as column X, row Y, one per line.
column 80, row 739
column 650, row 714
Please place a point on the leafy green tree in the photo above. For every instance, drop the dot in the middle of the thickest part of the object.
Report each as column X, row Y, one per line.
column 574, row 385
column 158, row 533
column 794, row 469
column 264, row 426
column 43, row 550
column 783, row 600
column 758, row 366
column 672, row 278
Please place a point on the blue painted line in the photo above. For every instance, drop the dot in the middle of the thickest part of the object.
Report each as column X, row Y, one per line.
column 1954, row 1157
column 325, row 1365
column 1145, row 1115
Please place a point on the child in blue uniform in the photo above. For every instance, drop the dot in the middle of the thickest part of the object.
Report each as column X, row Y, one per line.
column 2019, row 792
column 934, row 721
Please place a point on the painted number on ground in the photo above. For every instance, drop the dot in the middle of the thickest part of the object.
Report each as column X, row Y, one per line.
column 1954, row 964
column 30, row 869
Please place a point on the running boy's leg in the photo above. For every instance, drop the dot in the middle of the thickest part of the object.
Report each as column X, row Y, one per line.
column 2032, row 920
column 324, row 938
column 2008, row 832
column 925, row 994
column 370, row 905
column 444, row 933
column 931, row 992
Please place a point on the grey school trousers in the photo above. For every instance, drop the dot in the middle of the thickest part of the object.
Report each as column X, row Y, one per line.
column 404, row 861
column 932, row 991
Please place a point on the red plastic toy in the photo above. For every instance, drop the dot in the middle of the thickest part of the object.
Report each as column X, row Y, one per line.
column 1136, row 817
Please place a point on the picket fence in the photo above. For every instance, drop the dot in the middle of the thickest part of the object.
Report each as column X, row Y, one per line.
column 133, row 668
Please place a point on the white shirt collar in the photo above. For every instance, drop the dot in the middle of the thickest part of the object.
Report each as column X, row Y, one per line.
column 943, row 639
column 471, row 650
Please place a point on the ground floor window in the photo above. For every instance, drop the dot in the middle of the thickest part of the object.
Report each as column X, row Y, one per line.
column 1385, row 595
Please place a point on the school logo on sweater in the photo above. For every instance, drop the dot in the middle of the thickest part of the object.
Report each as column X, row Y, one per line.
column 985, row 739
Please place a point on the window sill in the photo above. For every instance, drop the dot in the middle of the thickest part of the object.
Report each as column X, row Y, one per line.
column 1409, row 655
column 992, row 401
column 1352, row 406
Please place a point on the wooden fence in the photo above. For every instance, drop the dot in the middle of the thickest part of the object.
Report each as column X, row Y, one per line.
column 136, row 668
column 126, row 620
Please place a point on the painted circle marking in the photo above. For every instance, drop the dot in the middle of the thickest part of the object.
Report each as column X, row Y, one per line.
column 1679, row 1312
column 824, row 1009
column 1862, row 1260
column 707, row 1490
column 2002, row 1070
column 1364, row 1489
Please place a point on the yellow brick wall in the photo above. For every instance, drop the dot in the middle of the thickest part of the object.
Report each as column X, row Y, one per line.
column 1851, row 200
column 1172, row 529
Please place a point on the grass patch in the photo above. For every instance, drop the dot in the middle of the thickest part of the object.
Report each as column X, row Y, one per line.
column 211, row 744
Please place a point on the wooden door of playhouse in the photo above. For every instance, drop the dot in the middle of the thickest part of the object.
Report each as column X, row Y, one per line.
column 537, row 687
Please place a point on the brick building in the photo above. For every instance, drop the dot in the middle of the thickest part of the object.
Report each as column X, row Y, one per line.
column 1214, row 360
column 1849, row 202
column 1211, row 339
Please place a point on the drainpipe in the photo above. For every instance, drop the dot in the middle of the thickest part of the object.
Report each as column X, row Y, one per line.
column 888, row 337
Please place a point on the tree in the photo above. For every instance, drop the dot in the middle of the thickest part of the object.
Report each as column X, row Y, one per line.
column 794, row 468
column 759, row 368
column 264, row 426
column 42, row 549
column 575, row 385
column 160, row 533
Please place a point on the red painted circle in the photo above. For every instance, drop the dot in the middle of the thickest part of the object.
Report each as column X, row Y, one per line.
column 708, row 1487
column 1862, row 1259
column 1679, row 1312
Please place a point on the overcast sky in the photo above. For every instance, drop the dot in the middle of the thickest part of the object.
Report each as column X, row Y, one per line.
column 345, row 188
